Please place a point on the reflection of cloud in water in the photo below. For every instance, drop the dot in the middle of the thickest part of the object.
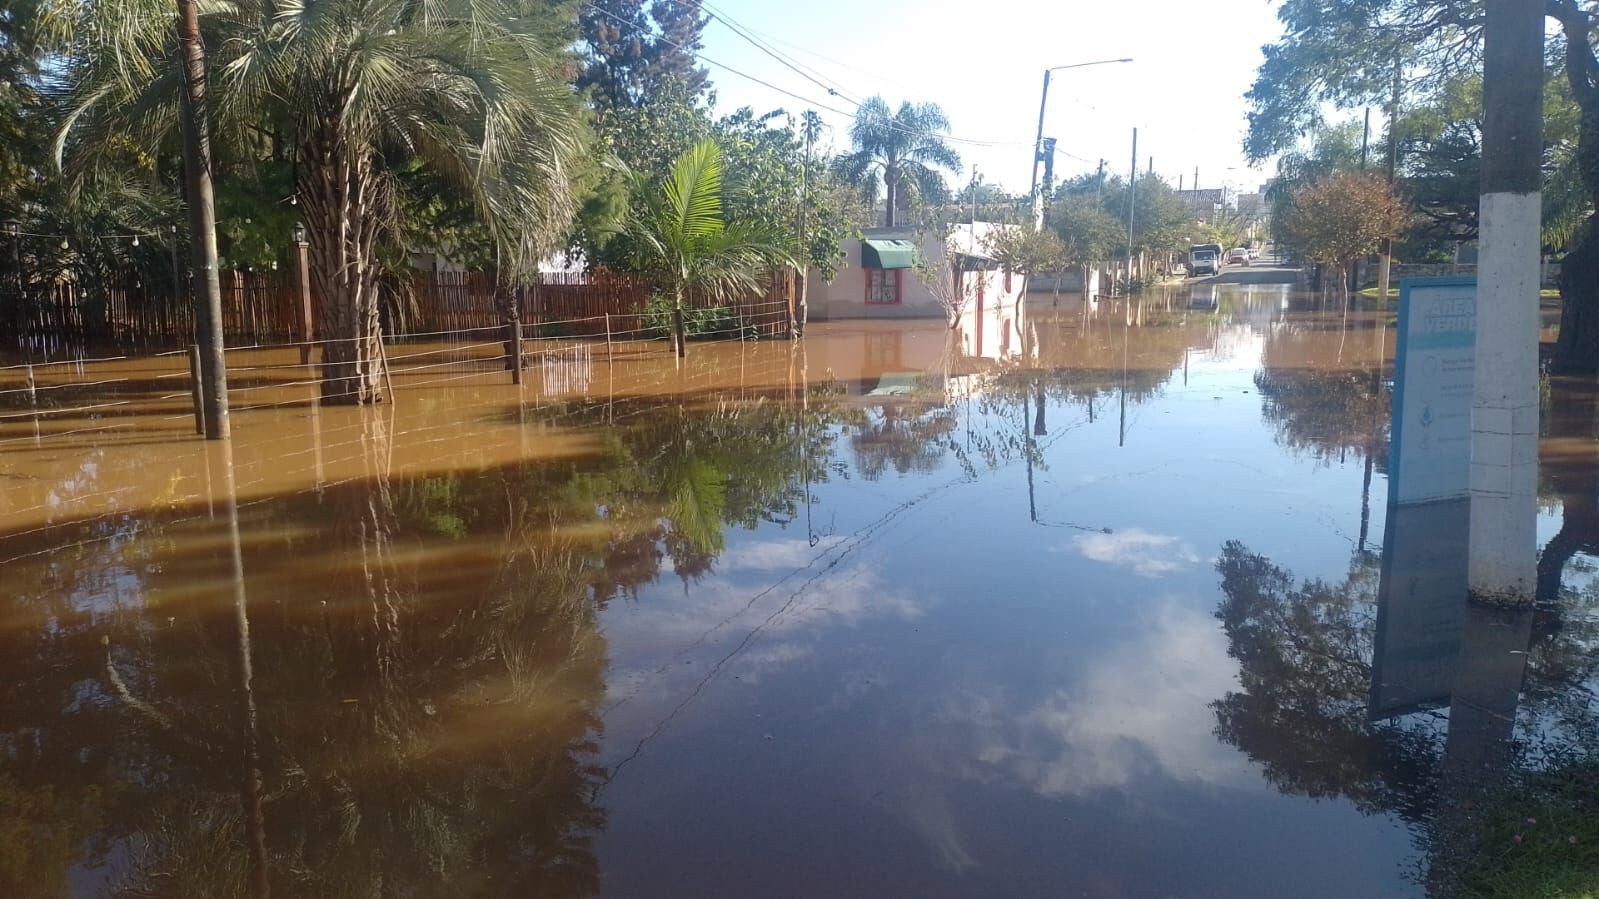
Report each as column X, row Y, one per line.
column 1142, row 710
column 774, row 555
column 711, row 619
column 1150, row 555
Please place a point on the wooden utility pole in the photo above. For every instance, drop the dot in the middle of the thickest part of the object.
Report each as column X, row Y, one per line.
column 1132, row 207
column 1502, row 566
column 302, row 289
column 1365, row 141
column 1099, row 187
column 801, row 311
column 1385, row 270
column 202, row 225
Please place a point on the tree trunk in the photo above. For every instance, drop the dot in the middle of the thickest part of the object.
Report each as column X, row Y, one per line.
column 890, row 193
column 507, row 301
column 1577, row 348
column 345, row 204
column 679, row 335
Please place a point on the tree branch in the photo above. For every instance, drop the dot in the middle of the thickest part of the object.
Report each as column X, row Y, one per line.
column 1581, row 66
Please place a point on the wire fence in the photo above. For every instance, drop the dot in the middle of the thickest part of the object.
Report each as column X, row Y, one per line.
column 568, row 382
column 90, row 397
column 65, row 309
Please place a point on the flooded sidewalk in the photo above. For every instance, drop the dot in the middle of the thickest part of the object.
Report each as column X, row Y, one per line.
column 1094, row 599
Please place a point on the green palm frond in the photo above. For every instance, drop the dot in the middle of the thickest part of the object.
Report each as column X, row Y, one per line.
column 683, row 243
column 474, row 88
column 693, row 192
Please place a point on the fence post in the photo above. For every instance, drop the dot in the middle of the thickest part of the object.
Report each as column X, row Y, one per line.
column 607, row 335
column 197, row 388
column 516, row 352
column 388, row 376
column 33, row 395
column 302, row 286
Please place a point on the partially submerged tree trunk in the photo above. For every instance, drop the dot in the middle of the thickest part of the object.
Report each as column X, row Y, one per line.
column 1577, row 349
column 346, row 204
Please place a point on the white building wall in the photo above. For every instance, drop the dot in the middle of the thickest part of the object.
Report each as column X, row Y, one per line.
column 844, row 297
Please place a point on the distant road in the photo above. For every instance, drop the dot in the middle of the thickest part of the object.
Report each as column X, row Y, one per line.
column 1260, row 273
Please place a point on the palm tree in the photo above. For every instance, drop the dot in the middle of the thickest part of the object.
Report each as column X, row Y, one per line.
column 901, row 150
column 683, row 244
column 352, row 89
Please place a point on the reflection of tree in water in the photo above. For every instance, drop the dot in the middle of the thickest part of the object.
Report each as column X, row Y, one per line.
column 905, row 437
column 1304, row 650
column 428, row 668
column 1320, row 407
column 974, row 414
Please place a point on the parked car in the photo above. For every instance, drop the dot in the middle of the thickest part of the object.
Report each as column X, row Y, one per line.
column 1203, row 263
column 1254, row 254
column 1239, row 256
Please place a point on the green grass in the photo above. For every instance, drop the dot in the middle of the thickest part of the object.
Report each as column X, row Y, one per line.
column 1542, row 840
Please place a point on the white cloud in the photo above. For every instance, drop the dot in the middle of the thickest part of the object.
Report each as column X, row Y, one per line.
column 1149, row 555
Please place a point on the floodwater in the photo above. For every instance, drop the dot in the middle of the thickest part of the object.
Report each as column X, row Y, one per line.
column 1096, row 601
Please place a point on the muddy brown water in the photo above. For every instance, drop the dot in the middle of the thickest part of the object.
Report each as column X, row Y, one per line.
column 1094, row 601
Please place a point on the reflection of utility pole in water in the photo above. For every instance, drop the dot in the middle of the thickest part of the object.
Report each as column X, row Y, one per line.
column 1127, row 332
column 1478, row 751
column 250, row 773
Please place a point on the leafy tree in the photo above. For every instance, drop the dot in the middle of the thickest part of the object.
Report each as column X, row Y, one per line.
column 683, row 243
column 764, row 164
column 477, row 90
column 1162, row 223
column 1343, row 217
column 633, row 51
column 1345, row 54
column 23, row 127
column 1089, row 233
column 900, row 153
column 1226, row 228
column 1019, row 248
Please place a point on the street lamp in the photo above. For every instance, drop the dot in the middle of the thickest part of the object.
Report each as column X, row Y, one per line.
column 1038, row 142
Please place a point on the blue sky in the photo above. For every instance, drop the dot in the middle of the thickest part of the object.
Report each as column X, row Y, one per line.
column 983, row 62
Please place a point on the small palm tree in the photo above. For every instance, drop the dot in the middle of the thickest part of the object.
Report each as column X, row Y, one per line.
column 476, row 89
column 682, row 243
column 902, row 151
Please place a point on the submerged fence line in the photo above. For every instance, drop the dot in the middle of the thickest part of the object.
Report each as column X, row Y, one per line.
column 39, row 393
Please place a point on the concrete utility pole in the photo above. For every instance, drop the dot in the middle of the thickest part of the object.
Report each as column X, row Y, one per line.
column 1099, row 188
column 1502, row 565
column 202, row 225
column 1038, row 141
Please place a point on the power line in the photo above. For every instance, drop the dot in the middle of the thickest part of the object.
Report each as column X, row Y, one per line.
column 833, row 88
column 703, row 58
column 788, row 93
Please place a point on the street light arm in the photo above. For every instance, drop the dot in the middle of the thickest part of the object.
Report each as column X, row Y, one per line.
column 1084, row 65
column 1038, row 141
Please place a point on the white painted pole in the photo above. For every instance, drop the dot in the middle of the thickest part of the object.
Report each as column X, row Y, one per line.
column 1504, row 419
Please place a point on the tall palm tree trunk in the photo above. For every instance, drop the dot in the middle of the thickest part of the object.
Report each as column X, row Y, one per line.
column 344, row 212
column 890, row 193
column 679, row 337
